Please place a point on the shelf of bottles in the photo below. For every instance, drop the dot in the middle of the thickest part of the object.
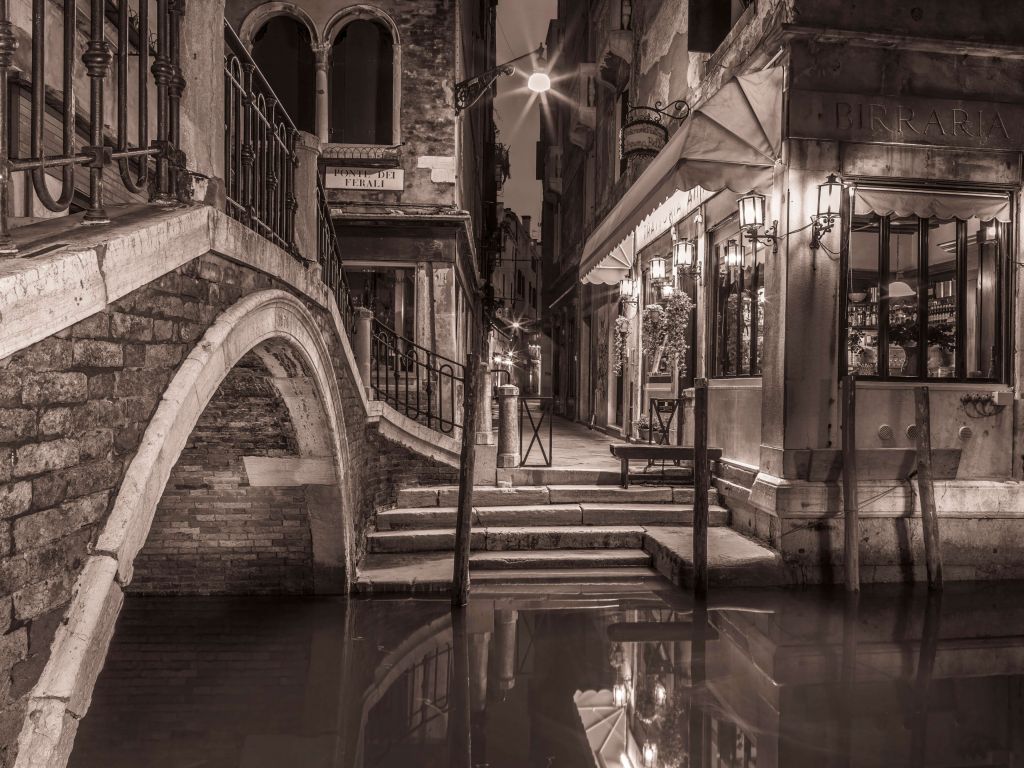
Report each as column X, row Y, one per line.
column 863, row 322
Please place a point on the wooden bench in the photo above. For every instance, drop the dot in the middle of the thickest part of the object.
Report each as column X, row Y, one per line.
column 626, row 452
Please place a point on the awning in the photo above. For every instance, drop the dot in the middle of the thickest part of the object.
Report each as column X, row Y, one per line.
column 732, row 142
column 927, row 203
column 615, row 265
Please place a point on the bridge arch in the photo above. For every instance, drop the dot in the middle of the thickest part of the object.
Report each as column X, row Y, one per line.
column 291, row 344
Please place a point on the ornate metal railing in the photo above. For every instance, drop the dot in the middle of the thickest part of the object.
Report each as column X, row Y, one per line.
column 423, row 385
column 80, row 140
column 259, row 150
column 328, row 253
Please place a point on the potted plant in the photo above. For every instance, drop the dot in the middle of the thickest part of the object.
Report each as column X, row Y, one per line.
column 643, row 428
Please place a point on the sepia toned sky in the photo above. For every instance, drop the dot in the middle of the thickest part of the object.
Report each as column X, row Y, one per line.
column 522, row 26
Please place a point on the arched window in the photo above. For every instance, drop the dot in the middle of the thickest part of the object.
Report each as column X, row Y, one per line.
column 362, row 84
column 283, row 51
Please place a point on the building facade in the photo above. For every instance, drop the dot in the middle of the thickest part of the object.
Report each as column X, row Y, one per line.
column 902, row 273
column 410, row 182
column 517, row 291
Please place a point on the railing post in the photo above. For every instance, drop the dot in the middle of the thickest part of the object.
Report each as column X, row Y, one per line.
column 508, row 426
column 484, row 425
column 8, row 45
column 363, row 344
column 307, row 157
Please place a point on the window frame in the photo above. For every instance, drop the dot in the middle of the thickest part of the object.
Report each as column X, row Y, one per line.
column 1005, row 295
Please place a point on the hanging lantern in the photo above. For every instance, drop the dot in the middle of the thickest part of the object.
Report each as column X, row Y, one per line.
column 619, row 695
column 751, row 211
column 658, row 268
column 684, row 252
column 830, row 196
column 650, row 754
column 733, row 254
column 667, row 290
column 627, row 288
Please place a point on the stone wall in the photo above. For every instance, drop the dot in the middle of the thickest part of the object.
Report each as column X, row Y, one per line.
column 214, row 532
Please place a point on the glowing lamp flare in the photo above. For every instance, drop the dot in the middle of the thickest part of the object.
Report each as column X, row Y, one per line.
column 657, row 268
column 650, row 754
column 619, row 695
column 751, row 211
column 627, row 288
column 683, row 252
column 733, row 254
column 539, row 82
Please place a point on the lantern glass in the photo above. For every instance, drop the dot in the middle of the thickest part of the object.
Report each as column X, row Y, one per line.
column 733, row 254
column 657, row 268
column 830, row 195
column 667, row 290
column 627, row 288
column 751, row 211
column 650, row 754
column 619, row 695
column 660, row 693
column 683, row 253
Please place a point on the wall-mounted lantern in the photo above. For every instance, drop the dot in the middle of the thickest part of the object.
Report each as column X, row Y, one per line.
column 658, row 268
column 830, row 197
column 733, row 254
column 752, row 217
column 684, row 256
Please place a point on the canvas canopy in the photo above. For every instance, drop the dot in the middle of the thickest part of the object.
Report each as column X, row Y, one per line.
column 927, row 203
column 731, row 142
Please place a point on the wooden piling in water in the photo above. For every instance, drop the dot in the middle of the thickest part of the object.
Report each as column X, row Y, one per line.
column 701, row 483
column 851, row 501
column 460, row 568
column 926, row 488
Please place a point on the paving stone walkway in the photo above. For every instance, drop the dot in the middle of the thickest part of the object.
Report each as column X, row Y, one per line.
column 575, row 446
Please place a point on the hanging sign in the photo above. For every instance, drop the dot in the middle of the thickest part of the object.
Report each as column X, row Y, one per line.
column 365, row 179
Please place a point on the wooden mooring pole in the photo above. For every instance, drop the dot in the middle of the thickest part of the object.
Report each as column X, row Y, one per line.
column 467, row 463
column 851, row 502
column 926, row 488
column 701, row 483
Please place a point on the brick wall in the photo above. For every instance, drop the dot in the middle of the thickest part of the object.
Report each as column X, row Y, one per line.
column 213, row 533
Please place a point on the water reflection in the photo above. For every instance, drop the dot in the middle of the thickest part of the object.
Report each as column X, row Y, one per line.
column 624, row 677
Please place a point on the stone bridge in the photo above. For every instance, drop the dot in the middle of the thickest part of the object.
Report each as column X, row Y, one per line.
column 181, row 412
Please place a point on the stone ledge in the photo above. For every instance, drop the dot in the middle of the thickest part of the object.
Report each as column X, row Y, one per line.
column 409, row 433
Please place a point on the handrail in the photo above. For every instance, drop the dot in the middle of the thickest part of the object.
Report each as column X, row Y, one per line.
column 94, row 148
column 328, row 253
column 422, row 384
column 259, row 153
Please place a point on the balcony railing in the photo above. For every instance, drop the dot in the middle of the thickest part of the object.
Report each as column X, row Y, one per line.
column 66, row 153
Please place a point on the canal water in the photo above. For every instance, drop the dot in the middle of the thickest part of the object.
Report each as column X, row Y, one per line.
column 550, row 676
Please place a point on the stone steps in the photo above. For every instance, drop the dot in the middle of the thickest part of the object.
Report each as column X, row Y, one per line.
column 559, row 559
column 520, row 538
column 418, row 518
column 487, row 496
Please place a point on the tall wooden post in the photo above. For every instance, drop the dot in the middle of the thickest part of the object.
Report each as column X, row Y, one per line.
column 926, row 488
column 701, row 483
column 851, row 502
column 460, row 569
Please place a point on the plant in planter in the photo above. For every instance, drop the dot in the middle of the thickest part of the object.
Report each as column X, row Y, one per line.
column 643, row 428
column 666, row 331
column 621, row 347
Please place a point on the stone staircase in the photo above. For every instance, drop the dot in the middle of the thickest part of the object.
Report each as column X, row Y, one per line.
column 578, row 532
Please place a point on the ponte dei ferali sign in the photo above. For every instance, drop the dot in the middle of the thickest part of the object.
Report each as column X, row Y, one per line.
column 906, row 120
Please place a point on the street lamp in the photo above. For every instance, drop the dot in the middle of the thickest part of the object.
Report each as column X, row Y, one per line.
column 470, row 91
column 658, row 268
column 733, row 254
column 684, row 256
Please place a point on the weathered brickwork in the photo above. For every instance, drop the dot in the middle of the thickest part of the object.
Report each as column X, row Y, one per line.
column 73, row 409
column 213, row 532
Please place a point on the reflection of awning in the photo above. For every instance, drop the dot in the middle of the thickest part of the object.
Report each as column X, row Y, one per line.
column 731, row 142
column 926, row 203
column 606, row 726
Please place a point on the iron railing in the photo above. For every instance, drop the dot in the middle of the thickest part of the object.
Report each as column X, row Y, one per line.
column 423, row 385
column 259, row 149
column 535, row 413
column 144, row 166
column 328, row 253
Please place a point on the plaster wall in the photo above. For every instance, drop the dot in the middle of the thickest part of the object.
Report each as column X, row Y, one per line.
column 734, row 419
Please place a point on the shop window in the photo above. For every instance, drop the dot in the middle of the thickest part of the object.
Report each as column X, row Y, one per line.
column 362, row 84
column 738, row 296
column 924, row 298
column 284, row 53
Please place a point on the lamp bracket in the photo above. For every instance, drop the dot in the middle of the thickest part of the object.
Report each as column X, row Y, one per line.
column 768, row 237
column 468, row 92
column 675, row 110
column 821, row 225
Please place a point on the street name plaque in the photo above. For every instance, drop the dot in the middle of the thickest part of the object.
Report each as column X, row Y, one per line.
column 365, row 179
